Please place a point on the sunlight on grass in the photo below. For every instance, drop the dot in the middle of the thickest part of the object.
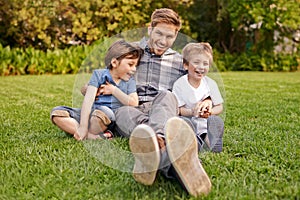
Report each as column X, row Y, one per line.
column 260, row 158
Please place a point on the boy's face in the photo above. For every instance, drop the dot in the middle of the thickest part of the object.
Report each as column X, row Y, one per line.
column 198, row 66
column 162, row 37
column 124, row 68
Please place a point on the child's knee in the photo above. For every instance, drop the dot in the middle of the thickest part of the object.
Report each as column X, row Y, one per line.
column 57, row 114
column 100, row 117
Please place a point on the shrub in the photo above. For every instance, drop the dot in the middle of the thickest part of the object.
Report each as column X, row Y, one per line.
column 264, row 61
column 19, row 61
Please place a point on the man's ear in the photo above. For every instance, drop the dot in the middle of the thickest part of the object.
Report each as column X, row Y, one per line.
column 149, row 29
column 114, row 62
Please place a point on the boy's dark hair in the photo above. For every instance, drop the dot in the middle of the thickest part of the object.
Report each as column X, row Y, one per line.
column 167, row 16
column 121, row 49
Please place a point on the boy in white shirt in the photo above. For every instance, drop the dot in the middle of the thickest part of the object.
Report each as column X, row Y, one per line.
column 194, row 87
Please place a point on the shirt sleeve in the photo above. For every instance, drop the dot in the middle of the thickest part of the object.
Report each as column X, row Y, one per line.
column 178, row 92
column 96, row 78
column 215, row 94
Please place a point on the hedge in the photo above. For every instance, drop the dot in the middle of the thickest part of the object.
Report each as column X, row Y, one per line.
column 18, row 61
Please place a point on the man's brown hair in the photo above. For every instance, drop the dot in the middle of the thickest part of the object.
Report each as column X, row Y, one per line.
column 167, row 16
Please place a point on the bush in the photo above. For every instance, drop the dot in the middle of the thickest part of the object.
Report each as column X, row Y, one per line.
column 264, row 61
column 19, row 61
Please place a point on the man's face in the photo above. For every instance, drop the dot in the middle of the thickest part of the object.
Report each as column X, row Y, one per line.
column 162, row 37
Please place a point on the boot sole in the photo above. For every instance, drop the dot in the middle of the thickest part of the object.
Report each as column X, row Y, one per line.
column 183, row 153
column 144, row 147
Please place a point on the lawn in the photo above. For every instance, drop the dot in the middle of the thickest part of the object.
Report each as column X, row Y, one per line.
column 261, row 157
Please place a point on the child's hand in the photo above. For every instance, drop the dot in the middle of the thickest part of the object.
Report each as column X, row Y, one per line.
column 106, row 89
column 204, row 114
column 204, row 108
column 81, row 133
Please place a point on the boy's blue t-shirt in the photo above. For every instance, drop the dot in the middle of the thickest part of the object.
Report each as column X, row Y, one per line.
column 101, row 76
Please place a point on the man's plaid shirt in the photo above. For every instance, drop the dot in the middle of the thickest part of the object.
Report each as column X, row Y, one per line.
column 155, row 73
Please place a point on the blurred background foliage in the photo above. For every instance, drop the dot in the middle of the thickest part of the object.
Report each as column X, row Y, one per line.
column 54, row 36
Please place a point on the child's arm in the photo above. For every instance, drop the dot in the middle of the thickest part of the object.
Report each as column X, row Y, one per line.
column 127, row 100
column 217, row 109
column 202, row 107
column 187, row 112
column 85, row 112
column 198, row 111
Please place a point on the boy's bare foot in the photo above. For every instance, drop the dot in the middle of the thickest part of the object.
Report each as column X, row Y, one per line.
column 144, row 146
column 107, row 135
column 183, row 153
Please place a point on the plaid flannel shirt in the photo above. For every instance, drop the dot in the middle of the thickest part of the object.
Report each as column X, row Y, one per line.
column 156, row 73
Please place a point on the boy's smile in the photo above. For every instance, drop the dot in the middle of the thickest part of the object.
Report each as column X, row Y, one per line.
column 197, row 67
column 124, row 69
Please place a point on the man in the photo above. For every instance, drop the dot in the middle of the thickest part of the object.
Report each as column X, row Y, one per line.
column 158, row 139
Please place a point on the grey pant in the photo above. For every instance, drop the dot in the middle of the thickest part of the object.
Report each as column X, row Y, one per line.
column 155, row 114
column 215, row 131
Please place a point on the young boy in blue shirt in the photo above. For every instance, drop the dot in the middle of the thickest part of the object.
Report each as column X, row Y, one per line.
column 117, row 88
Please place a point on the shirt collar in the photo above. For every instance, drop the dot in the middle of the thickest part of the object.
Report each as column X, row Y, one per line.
column 107, row 77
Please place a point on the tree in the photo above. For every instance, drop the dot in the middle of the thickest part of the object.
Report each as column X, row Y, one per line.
column 60, row 23
column 258, row 20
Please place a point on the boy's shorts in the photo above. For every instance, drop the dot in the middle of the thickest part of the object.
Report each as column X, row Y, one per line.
column 64, row 111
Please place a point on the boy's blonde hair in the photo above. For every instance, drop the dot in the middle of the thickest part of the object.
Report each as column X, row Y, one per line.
column 167, row 16
column 192, row 49
column 121, row 49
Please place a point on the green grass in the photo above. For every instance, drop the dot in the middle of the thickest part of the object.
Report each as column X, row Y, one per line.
column 261, row 157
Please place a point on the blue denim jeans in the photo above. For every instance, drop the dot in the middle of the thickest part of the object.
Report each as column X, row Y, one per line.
column 75, row 113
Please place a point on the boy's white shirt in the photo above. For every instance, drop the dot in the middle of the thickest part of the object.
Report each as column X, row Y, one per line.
column 189, row 96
